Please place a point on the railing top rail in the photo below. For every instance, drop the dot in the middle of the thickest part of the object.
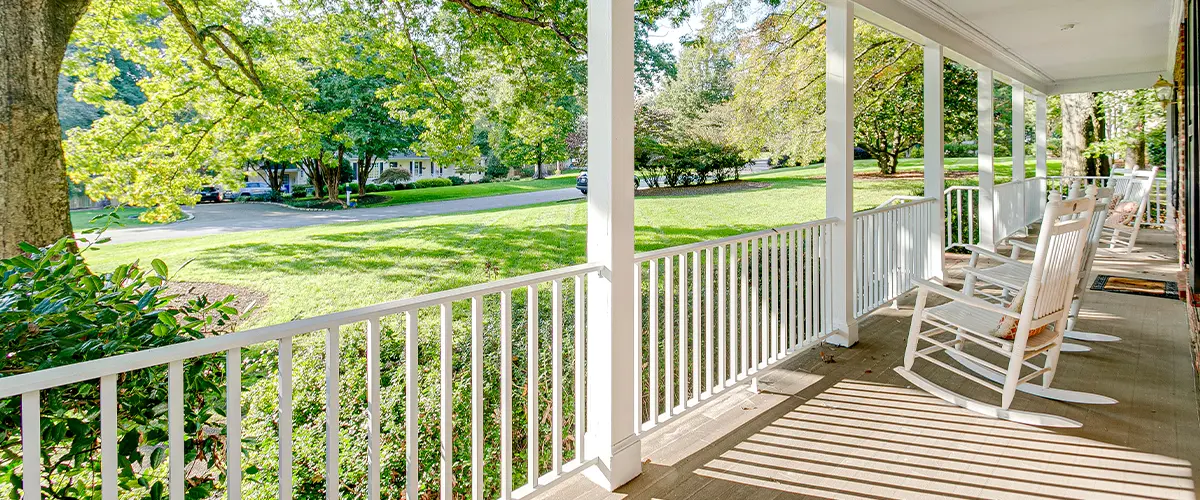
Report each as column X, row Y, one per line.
column 894, row 199
column 700, row 245
column 88, row 370
column 882, row 209
column 961, row 188
column 1161, row 176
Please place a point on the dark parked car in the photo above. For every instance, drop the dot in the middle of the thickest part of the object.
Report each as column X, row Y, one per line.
column 581, row 182
column 211, row 194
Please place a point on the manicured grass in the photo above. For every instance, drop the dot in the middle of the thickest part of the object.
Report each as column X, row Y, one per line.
column 82, row 219
column 1003, row 166
column 315, row 270
column 472, row 190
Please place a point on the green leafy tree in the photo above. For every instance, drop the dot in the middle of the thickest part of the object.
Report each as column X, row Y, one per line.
column 779, row 94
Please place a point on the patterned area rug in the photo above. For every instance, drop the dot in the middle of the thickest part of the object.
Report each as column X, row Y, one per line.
column 1136, row 286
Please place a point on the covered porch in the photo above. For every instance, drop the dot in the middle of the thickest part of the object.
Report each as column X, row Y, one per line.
column 840, row 423
column 754, row 366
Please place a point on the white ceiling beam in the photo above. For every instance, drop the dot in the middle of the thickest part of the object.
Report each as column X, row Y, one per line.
column 905, row 21
column 1106, row 83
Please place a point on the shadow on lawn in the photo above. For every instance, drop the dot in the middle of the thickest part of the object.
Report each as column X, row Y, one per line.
column 438, row 256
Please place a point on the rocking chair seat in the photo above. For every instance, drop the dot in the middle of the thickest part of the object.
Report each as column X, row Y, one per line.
column 982, row 323
column 1008, row 275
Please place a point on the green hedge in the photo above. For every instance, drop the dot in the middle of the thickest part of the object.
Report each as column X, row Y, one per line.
column 428, row 183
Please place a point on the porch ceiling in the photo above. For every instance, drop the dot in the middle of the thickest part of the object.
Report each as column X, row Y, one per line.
column 1114, row 44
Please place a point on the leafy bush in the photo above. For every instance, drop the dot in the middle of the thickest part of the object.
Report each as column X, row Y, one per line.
column 273, row 196
column 376, row 188
column 456, row 180
column 494, row 169
column 400, row 186
column 54, row 311
column 694, row 162
column 428, row 183
column 527, row 172
column 961, row 150
column 395, row 175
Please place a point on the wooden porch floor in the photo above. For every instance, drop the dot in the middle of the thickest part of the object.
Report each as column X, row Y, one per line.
column 853, row 428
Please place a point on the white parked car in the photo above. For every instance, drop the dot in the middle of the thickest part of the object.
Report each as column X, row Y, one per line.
column 255, row 188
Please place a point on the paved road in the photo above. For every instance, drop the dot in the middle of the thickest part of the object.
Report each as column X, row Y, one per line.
column 237, row 217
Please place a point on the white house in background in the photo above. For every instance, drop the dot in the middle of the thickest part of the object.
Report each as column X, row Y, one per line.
column 420, row 167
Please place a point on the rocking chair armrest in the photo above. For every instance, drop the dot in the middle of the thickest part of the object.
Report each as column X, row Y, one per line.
column 1021, row 245
column 990, row 254
column 958, row 296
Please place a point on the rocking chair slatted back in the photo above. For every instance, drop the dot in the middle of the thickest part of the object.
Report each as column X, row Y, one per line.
column 1057, row 260
column 1095, row 231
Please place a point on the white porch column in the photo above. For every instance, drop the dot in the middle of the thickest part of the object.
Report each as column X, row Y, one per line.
column 987, row 167
column 839, row 163
column 1018, row 131
column 610, row 335
column 935, row 150
column 1039, row 100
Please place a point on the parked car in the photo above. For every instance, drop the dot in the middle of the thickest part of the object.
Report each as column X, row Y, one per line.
column 255, row 188
column 211, row 194
column 581, row 182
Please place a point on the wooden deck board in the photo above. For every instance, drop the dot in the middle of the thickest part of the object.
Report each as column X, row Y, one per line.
column 855, row 429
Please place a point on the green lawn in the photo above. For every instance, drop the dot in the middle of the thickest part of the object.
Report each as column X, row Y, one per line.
column 472, row 190
column 1003, row 166
column 82, row 219
column 322, row 269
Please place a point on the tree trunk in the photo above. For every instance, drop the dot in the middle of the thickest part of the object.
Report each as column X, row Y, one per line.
column 1076, row 113
column 34, row 205
column 364, row 171
column 537, row 173
column 333, row 175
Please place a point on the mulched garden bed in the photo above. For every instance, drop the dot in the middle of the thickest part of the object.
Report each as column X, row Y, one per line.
column 246, row 298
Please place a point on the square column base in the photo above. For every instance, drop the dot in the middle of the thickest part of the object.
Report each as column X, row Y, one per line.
column 624, row 464
column 844, row 338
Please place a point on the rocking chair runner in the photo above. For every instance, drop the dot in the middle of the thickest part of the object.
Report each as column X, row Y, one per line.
column 1036, row 321
column 1010, row 275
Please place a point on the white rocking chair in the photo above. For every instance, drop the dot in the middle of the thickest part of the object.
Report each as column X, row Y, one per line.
column 1135, row 187
column 1011, row 274
column 1037, row 319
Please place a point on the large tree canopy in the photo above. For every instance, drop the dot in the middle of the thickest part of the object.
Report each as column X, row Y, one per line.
column 230, row 81
column 779, row 95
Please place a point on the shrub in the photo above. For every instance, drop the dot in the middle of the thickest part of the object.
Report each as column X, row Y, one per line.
column 686, row 164
column 375, row 188
column 428, row 183
column 54, row 311
column 395, row 175
column 400, row 186
column 526, row 171
column 456, row 180
column 960, row 150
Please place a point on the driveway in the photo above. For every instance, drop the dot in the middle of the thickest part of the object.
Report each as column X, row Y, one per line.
column 237, row 217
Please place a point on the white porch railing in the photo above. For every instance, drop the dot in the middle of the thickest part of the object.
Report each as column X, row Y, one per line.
column 892, row 246
column 962, row 207
column 493, row 304
column 711, row 314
